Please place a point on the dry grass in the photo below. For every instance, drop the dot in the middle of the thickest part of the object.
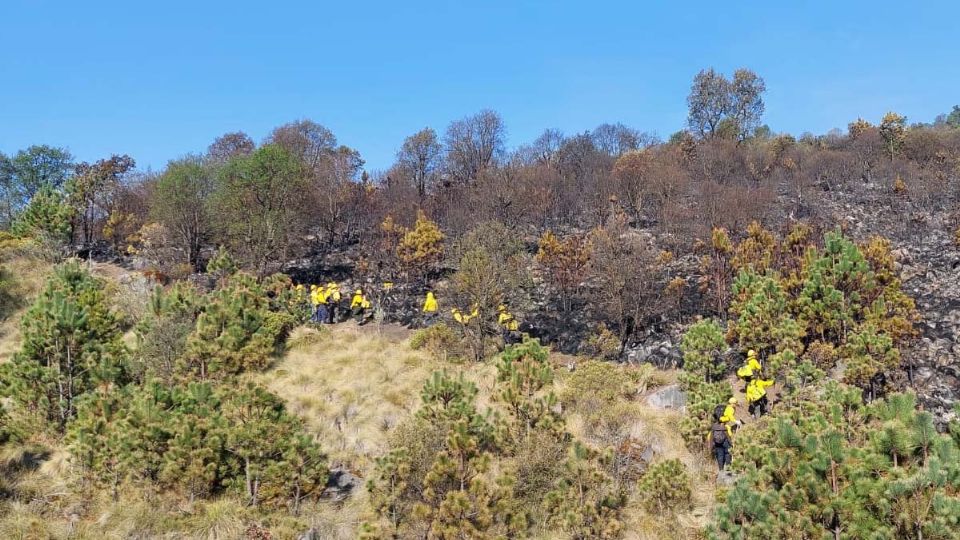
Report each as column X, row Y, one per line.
column 658, row 429
column 353, row 384
column 28, row 275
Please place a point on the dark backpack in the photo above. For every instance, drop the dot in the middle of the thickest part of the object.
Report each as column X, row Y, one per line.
column 718, row 412
column 719, row 435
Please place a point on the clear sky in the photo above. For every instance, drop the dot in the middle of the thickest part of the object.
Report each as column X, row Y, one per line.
column 160, row 79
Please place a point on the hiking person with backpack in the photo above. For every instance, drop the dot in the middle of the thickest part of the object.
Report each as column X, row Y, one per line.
column 722, row 438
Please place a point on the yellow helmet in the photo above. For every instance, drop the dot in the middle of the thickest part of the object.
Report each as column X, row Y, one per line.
column 732, row 401
column 751, row 352
column 358, row 291
column 501, row 307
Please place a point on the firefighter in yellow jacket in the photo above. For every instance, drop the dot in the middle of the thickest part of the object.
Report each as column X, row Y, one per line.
column 509, row 324
column 333, row 298
column 757, row 400
column 430, row 308
column 464, row 318
column 750, row 369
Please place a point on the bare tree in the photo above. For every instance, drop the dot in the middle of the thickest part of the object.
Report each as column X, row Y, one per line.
column 474, row 144
column 420, row 156
column 307, row 140
column 230, row 145
column 747, row 106
column 618, row 139
column 709, row 101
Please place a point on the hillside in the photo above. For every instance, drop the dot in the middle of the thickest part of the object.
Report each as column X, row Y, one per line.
column 726, row 333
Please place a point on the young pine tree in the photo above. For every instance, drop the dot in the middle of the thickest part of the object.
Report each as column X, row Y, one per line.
column 233, row 334
column 522, row 374
column 72, row 344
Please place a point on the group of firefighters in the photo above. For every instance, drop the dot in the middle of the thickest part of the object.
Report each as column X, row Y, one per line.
column 725, row 421
column 508, row 324
column 328, row 307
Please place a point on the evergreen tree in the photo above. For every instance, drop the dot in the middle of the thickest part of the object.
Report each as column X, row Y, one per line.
column 702, row 346
column 162, row 332
column 522, row 374
column 583, row 505
column 808, row 474
column 665, row 487
column 703, row 367
column 234, row 333
column 761, row 319
column 72, row 344
column 46, row 218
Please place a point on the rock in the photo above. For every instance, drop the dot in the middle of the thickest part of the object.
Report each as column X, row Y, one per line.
column 341, row 483
column 311, row 534
column 668, row 397
column 726, row 478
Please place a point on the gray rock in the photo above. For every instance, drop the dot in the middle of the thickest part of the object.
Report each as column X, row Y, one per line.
column 341, row 484
column 726, row 478
column 668, row 397
column 311, row 534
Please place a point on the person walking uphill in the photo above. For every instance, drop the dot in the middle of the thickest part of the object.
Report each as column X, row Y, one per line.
column 722, row 438
column 750, row 368
column 757, row 396
column 510, row 326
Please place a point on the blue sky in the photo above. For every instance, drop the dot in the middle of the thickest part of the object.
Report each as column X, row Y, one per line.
column 158, row 80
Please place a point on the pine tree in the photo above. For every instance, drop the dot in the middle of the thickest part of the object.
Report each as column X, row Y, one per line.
column 869, row 353
column 665, row 487
column 222, row 264
column 458, row 499
column 46, row 218
column 807, row 473
column 258, row 425
column 761, row 318
column 703, row 367
column 195, row 434
column 420, row 250
column 389, row 488
column 72, row 344
column 583, row 505
column 702, row 345
column 236, row 332
column 522, row 374
column 162, row 332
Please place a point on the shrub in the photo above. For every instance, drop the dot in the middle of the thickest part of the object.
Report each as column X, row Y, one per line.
column 439, row 340
column 595, row 385
column 603, row 343
column 665, row 487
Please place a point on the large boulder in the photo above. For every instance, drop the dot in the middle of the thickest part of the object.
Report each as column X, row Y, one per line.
column 668, row 397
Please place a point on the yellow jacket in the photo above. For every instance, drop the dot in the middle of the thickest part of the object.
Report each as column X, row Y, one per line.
column 462, row 318
column 751, row 366
column 508, row 321
column 333, row 292
column 430, row 304
column 358, row 300
column 757, row 389
column 317, row 296
column 728, row 415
